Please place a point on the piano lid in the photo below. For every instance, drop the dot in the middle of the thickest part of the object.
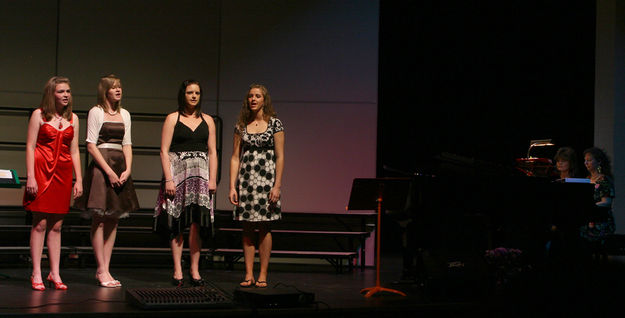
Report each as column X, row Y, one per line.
column 536, row 167
column 459, row 165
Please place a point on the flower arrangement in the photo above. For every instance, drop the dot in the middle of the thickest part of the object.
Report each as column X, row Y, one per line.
column 506, row 263
column 503, row 257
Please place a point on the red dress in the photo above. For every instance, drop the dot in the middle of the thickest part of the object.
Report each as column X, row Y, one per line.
column 53, row 170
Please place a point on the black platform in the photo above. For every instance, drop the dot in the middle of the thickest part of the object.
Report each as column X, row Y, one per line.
column 457, row 289
column 275, row 297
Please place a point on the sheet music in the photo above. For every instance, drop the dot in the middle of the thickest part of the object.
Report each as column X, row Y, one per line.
column 577, row 180
column 6, row 174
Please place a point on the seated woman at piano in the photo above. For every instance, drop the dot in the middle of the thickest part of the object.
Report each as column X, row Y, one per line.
column 566, row 167
column 566, row 163
column 600, row 174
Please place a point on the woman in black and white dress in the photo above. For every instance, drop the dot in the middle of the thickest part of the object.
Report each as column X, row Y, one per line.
column 256, row 169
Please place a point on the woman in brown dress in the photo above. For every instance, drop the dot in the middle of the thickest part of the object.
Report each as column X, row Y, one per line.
column 109, row 191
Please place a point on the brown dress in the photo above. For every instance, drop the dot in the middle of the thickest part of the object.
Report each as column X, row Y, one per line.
column 99, row 196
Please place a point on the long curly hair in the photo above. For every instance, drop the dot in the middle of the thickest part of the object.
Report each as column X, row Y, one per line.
column 602, row 158
column 246, row 115
column 48, row 101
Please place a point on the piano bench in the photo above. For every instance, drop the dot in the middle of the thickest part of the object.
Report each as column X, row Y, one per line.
column 615, row 244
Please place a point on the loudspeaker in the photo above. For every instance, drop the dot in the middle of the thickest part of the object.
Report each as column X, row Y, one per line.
column 273, row 297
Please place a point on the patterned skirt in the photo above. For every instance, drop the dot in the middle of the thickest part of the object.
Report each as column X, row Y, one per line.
column 192, row 202
column 597, row 230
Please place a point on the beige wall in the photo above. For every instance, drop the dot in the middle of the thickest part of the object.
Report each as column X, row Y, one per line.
column 610, row 95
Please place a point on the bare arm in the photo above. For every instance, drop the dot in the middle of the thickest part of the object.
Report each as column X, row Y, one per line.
column 212, row 153
column 126, row 147
column 605, row 202
column 278, row 138
column 166, row 135
column 31, row 142
column 127, row 150
column 234, row 168
column 75, row 153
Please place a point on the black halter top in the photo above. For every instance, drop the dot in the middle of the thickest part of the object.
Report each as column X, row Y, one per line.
column 185, row 139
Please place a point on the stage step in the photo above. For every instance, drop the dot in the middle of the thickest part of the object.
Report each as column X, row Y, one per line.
column 335, row 258
column 337, row 233
column 335, row 237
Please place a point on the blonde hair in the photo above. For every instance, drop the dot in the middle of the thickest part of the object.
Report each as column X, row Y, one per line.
column 106, row 83
column 246, row 116
column 48, row 101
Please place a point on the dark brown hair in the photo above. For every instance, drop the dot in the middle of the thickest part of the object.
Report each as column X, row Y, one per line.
column 602, row 158
column 182, row 101
column 568, row 154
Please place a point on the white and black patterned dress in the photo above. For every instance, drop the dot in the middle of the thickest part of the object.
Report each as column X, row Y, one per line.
column 257, row 173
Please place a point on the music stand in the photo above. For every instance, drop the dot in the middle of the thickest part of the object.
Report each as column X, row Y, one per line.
column 9, row 179
column 368, row 194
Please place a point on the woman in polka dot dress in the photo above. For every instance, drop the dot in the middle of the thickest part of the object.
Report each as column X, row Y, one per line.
column 256, row 177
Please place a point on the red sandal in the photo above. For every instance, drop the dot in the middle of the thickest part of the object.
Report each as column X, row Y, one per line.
column 57, row 285
column 37, row 286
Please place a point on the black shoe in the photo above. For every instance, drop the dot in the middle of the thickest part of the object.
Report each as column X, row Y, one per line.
column 177, row 282
column 247, row 283
column 197, row 282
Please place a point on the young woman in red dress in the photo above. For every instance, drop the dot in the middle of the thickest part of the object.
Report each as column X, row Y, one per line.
column 51, row 155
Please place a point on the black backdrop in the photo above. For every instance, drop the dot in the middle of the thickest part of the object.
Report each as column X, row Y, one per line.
column 480, row 79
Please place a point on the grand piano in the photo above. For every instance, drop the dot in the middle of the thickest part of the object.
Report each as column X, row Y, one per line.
column 463, row 207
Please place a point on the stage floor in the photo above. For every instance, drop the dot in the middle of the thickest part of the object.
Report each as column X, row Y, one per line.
column 335, row 295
